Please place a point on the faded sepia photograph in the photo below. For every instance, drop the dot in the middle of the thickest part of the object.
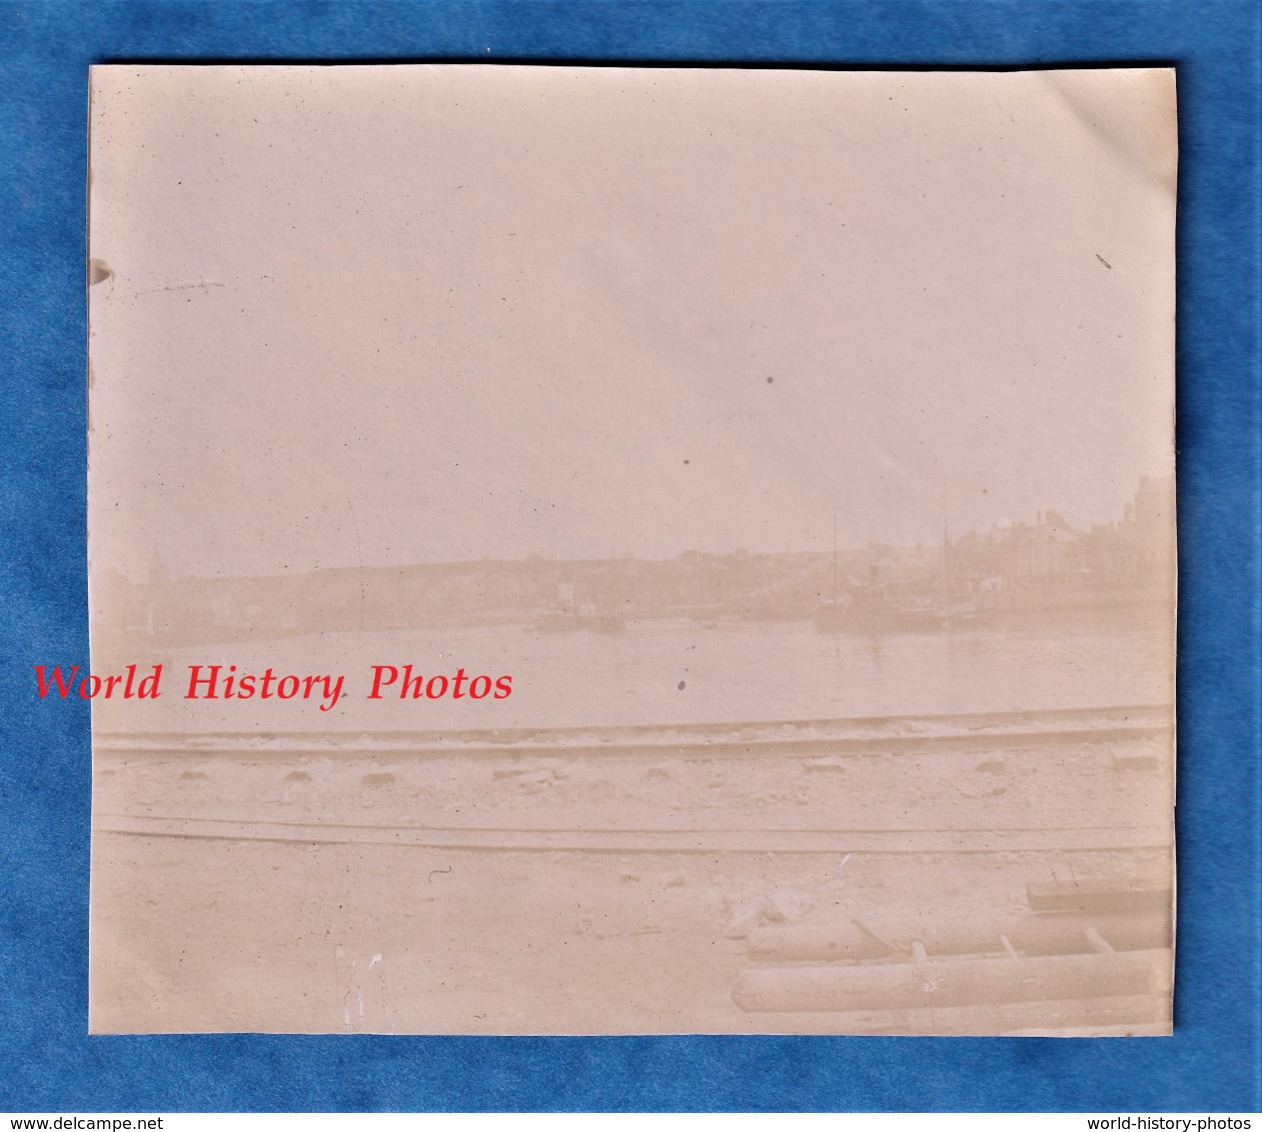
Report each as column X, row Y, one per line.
column 614, row 550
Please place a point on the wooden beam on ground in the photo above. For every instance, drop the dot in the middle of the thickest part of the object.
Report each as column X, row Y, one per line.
column 1055, row 933
column 953, row 982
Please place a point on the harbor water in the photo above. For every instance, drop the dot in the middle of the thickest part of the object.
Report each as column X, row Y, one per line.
column 669, row 673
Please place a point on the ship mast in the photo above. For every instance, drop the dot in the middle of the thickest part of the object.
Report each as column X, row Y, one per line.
column 834, row 556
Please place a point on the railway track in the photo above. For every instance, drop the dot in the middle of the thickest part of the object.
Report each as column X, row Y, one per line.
column 913, row 734
column 683, row 840
column 660, row 828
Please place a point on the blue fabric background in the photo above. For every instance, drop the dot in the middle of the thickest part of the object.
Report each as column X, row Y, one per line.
column 47, row 1061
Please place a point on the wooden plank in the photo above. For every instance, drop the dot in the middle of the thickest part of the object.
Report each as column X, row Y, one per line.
column 1029, row 933
column 1104, row 897
column 953, row 982
column 1111, row 1015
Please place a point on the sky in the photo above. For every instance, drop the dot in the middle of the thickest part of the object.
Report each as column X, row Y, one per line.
column 385, row 315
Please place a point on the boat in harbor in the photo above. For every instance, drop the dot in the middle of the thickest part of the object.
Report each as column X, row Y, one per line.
column 881, row 605
column 871, row 610
column 863, row 612
column 572, row 621
column 574, row 615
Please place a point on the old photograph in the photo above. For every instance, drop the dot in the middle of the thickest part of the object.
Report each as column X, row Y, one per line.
column 622, row 550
